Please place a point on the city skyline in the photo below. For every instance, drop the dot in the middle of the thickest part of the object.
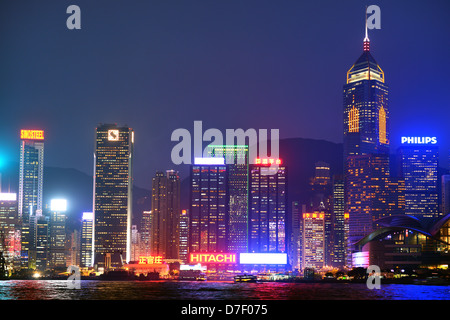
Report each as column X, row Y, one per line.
column 296, row 44
column 373, row 204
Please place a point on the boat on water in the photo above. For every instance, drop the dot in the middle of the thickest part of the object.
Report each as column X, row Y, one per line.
column 201, row 277
column 433, row 281
column 245, row 278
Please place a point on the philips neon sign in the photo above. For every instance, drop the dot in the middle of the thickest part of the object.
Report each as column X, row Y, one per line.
column 419, row 140
column 212, row 258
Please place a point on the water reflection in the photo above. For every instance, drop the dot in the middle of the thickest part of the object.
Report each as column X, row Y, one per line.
column 155, row 290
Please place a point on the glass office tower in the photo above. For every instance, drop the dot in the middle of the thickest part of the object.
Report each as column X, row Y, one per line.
column 237, row 163
column 86, row 243
column 209, row 206
column 267, row 214
column 166, row 214
column 113, row 159
column 9, row 228
column 340, row 223
column 313, row 250
column 31, row 173
column 366, row 143
column 419, row 169
column 30, row 197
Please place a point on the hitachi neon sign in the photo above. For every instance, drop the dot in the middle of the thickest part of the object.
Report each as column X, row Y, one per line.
column 150, row 260
column 32, row 134
column 212, row 258
column 419, row 140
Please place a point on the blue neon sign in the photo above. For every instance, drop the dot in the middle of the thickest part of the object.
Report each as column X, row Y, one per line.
column 419, row 140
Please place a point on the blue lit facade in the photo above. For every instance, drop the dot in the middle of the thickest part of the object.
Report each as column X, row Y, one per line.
column 209, row 207
column 237, row 163
column 267, row 214
column 419, row 169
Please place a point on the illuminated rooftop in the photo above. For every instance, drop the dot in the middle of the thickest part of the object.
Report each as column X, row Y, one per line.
column 365, row 68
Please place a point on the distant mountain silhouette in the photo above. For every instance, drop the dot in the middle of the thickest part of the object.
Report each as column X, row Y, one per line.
column 73, row 185
column 298, row 154
column 301, row 155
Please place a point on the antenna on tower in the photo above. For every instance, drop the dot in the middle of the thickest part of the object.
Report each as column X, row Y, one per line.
column 366, row 42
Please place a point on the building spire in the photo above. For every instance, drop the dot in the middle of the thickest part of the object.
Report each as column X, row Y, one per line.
column 366, row 42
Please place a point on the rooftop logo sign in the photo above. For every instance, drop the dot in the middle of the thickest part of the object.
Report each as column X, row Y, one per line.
column 419, row 140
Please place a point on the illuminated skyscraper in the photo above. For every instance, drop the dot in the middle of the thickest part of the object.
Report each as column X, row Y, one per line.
column 113, row 181
column 237, row 162
column 340, row 223
column 267, row 201
column 31, row 173
column 42, row 244
column 9, row 227
column 366, row 143
column 419, row 169
column 445, row 194
column 313, row 244
column 86, row 243
column 209, row 206
column 31, row 176
column 57, row 234
column 295, row 239
column 73, row 243
column 184, row 236
column 146, row 233
column 321, row 201
column 366, row 110
column 166, row 213
column 135, row 243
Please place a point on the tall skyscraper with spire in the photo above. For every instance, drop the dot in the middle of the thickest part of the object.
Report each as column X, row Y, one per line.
column 366, row 111
column 366, row 146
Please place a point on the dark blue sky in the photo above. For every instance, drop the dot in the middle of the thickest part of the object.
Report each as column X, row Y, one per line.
column 159, row 65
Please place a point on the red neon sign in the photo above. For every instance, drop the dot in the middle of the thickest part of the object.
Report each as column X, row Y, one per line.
column 150, row 260
column 31, row 134
column 267, row 161
column 313, row 215
column 212, row 258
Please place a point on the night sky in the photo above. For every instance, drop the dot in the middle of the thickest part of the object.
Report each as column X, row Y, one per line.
column 159, row 65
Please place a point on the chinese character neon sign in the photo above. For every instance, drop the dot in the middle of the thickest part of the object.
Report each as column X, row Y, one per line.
column 313, row 215
column 150, row 260
column 268, row 161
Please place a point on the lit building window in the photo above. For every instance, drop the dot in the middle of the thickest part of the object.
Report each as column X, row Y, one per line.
column 382, row 125
column 353, row 120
